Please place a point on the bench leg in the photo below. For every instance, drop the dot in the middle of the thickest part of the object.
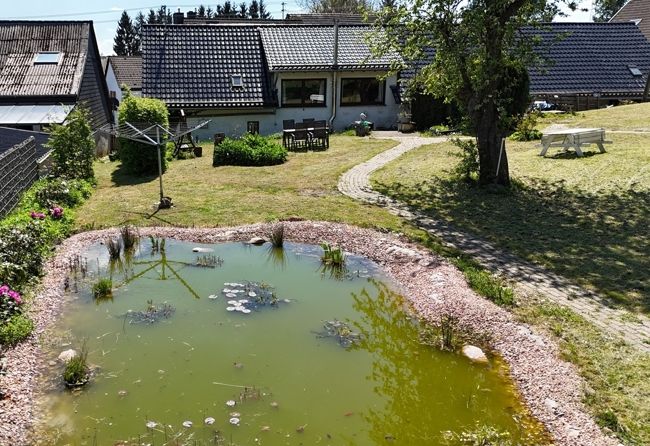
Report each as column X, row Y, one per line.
column 578, row 150
column 601, row 147
column 544, row 150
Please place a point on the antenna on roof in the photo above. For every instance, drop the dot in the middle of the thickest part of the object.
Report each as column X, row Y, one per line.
column 283, row 5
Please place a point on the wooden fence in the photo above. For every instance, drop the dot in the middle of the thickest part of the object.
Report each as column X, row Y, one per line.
column 18, row 171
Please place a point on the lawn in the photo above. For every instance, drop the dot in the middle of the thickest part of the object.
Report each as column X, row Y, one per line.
column 585, row 218
column 205, row 196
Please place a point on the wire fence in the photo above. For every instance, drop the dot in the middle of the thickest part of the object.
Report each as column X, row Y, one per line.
column 18, row 171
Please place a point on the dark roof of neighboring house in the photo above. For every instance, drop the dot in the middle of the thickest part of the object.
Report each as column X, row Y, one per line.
column 311, row 48
column 193, row 65
column 12, row 137
column 20, row 41
column 328, row 18
column 635, row 11
column 587, row 58
column 128, row 70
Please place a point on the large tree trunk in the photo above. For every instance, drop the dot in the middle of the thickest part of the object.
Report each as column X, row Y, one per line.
column 489, row 139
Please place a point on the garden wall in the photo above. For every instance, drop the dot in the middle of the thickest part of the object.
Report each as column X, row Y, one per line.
column 18, row 171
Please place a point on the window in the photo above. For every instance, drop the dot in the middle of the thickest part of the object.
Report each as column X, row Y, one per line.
column 362, row 91
column 47, row 58
column 237, row 81
column 635, row 70
column 303, row 92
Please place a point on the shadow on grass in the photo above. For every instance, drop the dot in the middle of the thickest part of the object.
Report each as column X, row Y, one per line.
column 120, row 177
column 597, row 239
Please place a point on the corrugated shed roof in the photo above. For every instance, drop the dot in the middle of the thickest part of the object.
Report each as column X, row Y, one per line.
column 192, row 65
column 635, row 11
column 586, row 58
column 20, row 42
column 310, row 48
column 128, row 70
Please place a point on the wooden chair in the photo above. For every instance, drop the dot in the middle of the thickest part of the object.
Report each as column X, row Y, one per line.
column 320, row 137
column 300, row 138
column 287, row 124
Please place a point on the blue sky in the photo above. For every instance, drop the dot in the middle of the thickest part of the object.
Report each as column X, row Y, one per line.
column 105, row 13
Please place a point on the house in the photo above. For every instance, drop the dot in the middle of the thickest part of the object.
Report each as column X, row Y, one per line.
column 589, row 65
column 122, row 71
column 46, row 69
column 256, row 76
column 636, row 11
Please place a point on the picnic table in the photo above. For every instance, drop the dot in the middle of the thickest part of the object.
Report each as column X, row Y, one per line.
column 573, row 138
column 309, row 134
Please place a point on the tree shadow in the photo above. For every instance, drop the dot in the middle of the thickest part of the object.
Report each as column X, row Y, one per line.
column 598, row 239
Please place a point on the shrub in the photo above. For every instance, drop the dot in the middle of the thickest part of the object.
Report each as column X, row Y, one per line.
column 139, row 158
column 250, row 150
column 526, row 130
column 15, row 329
column 21, row 249
column 52, row 192
column 73, row 146
column 467, row 167
column 10, row 303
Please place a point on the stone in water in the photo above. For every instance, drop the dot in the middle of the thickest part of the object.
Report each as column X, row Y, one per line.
column 257, row 241
column 199, row 249
column 67, row 355
column 474, row 353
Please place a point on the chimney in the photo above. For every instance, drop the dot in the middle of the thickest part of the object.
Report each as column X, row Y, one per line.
column 178, row 17
column 191, row 14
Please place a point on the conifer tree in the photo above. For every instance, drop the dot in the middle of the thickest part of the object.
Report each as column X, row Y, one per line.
column 125, row 40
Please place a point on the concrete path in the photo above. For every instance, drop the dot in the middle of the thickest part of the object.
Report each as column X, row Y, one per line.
column 528, row 279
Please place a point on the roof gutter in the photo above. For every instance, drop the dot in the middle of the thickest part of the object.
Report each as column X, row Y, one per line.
column 335, row 67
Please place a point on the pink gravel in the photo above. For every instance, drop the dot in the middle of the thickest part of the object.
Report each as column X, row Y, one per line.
column 550, row 387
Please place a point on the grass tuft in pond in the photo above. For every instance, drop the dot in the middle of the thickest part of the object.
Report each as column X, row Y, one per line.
column 77, row 372
column 103, row 289
column 332, row 255
column 481, row 435
column 208, row 261
column 277, row 236
column 130, row 237
column 157, row 245
column 114, row 248
column 447, row 328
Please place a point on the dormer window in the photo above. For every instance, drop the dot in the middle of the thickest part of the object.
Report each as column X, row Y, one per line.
column 635, row 70
column 237, row 81
column 47, row 58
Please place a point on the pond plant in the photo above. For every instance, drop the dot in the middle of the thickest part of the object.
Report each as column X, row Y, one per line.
column 277, row 236
column 332, row 255
column 114, row 248
column 249, row 296
column 208, row 261
column 77, row 372
column 340, row 331
column 103, row 289
column 130, row 237
column 151, row 314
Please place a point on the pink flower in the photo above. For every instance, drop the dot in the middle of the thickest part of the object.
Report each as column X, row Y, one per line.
column 37, row 215
column 5, row 291
column 56, row 212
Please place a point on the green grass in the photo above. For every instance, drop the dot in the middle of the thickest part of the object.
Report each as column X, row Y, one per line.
column 617, row 376
column 586, row 219
column 630, row 117
column 205, row 196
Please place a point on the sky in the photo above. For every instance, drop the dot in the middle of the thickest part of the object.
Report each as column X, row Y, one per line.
column 106, row 13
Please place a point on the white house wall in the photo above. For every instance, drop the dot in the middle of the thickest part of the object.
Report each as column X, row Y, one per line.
column 113, row 86
column 235, row 123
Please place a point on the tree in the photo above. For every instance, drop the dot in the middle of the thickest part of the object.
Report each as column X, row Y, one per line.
column 254, row 10
column 480, row 63
column 201, row 11
column 243, row 11
column 73, row 146
column 139, row 22
column 605, row 9
column 264, row 14
column 125, row 42
column 164, row 15
column 336, row 6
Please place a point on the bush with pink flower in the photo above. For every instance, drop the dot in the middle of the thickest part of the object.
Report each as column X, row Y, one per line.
column 10, row 302
column 56, row 212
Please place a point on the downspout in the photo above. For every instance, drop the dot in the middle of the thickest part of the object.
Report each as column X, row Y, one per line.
column 335, row 67
column 646, row 92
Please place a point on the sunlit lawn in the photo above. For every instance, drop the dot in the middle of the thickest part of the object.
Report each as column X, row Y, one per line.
column 304, row 187
column 585, row 218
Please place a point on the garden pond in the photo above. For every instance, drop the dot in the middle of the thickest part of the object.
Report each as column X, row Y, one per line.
column 251, row 345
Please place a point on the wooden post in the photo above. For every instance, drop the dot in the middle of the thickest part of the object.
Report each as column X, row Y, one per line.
column 646, row 92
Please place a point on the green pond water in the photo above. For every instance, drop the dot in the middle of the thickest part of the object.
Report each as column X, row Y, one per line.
column 291, row 384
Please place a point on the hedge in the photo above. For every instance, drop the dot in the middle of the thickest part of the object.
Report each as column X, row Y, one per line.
column 250, row 150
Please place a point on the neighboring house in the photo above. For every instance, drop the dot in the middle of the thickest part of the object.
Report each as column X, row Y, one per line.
column 122, row 71
column 46, row 69
column 257, row 75
column 636, row 11
column 590, row 65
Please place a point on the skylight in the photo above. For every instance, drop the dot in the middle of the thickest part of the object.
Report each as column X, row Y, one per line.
column 237, row 81
column 47, row 57
column 635, row 71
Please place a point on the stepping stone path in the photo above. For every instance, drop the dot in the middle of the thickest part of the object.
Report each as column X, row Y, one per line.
column 528, row 279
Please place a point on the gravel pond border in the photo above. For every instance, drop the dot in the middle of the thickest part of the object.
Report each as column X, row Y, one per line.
column 550, row 387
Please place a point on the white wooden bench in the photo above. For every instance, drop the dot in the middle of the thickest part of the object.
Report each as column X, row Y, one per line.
column 573, row 138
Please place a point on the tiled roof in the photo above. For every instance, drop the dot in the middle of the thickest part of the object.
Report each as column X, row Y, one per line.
column 192, row 65
column 590, row 58
column 310, row 48
column 128, row 70
column 637, row 11
column 19, row 44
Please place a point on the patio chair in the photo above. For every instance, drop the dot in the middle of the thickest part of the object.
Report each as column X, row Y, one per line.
column 320, row 135
column 287, row 124
column 300, row 138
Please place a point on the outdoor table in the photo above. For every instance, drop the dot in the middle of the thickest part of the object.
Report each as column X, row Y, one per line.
column 573, row 138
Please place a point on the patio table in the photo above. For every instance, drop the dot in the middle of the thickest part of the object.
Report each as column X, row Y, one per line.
column 573, row 138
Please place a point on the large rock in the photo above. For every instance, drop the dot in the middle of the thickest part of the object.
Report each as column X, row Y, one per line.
column 474, row 353
column 67, row 355
column 257, row 241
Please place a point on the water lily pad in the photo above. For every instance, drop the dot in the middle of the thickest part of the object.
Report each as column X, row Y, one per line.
column 209, row 421
column 234, row 421
column 151, row 424
column 252, row 294
column 233, row 302
column 246, row 311
column 243, row 301
column 213, row 296
column 231, row 403
column 187, row 423
column 231, row 295
column 230, row 308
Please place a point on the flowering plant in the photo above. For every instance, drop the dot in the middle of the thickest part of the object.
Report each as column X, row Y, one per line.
column 10, row 302
column 56, row 212
column 37, row 215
